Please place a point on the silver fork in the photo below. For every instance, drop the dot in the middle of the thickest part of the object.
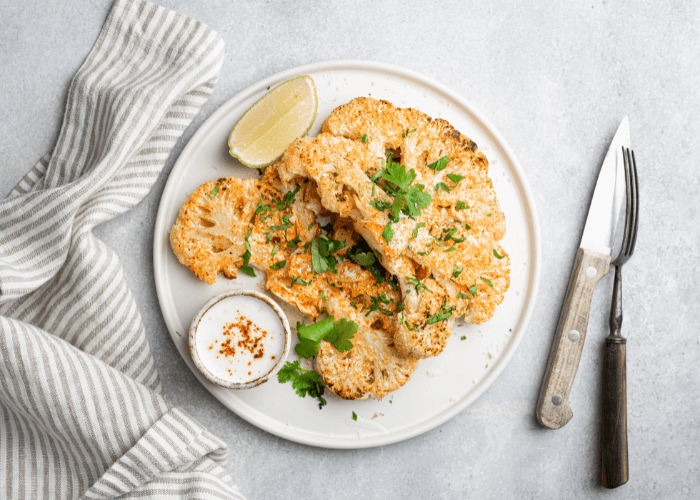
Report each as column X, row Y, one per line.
column 615, row 466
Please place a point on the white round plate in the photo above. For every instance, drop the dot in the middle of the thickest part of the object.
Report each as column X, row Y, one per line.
column 442, row 386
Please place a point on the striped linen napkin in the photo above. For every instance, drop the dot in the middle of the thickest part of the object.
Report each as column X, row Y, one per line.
column 82, row 412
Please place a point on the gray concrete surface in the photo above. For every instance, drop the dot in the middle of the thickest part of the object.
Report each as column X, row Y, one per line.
column 555, row 79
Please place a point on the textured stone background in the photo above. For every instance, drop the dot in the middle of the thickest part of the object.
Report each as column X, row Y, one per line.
column 555, row 79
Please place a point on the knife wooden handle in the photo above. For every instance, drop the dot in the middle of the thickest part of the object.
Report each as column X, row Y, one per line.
column 553, row 409
column 615, row 464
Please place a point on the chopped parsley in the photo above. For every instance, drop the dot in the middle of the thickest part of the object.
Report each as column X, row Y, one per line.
column 364, row 138
column 488, row 215
column 457, row 270
column 419, row 286
column 460, row 205
column 245, row 268
column 463, row 337
column 455, row 178
column 363, row 255
column 440, row 164
column 496, row 254
column 354, row 416
column 285, row 224
column 414, row 234
column 473, row 290
column 441, row 186
column 388, row 232
column 303, row 381
column 444, row 313
column 293, row 243
column 321, row 250
column 461, row 295
column 278, row 265
column 275, row 249
column 214, row 191
column 408, row 131
column 488, row 282
column 297, row 279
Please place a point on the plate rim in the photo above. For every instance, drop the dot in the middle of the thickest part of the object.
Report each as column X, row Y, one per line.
column 334, row 65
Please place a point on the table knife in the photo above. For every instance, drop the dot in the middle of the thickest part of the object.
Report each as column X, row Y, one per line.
column 591, row 264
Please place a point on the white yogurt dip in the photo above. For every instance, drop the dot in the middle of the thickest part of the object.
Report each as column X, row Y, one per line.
column 239, row 339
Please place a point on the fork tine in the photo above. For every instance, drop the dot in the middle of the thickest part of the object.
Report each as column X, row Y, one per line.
column 628, row 208
column 633, row 172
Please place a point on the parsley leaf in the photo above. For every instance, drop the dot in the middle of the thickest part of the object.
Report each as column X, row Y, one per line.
column 321, row 250
column 396, row 174
column 496, row 254
column 214, row 191
column 457, row 270
column 310, row 336
column 286, row 224
column 414, row 234
column 388, row 232
column 275, row 250
column 455, row 178
column 461, row 295
column 296, row 279
column 364, row 138
column 488, row 282
column 341, row 334
column 408, row 131
column 441, row 185
column 303, row 381
column 354, row 416
column 473, row 290
column 293, row 243
column 278, row 265
column 460, row 205
column 440, row 164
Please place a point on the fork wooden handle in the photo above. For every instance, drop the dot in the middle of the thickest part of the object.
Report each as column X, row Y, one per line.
column 615, row 466
column 553, row 408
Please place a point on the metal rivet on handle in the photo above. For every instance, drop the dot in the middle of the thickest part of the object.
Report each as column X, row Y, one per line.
column 573, row 336
column 557, row 399
column 591, row 272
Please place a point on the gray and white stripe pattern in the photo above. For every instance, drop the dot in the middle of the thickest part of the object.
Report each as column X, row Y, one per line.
column 82, row 414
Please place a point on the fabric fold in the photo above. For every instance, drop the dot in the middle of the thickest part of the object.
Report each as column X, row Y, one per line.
column 81, row 404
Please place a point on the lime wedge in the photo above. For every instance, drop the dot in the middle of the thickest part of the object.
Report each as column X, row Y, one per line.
column 285, row 113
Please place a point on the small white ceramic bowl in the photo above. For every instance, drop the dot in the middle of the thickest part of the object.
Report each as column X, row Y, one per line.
column 263, row 378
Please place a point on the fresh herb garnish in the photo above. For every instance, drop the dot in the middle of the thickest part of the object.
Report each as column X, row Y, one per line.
column 296, row 279
column 488, row 215
column 214, row 191
column 463, row 338
column 457, row 270
column 338, row 333
column 354, row 416
column 388, row 232
column 419, row 286
column 496, row 254
column 245, row 268
column 293, row 243
column 473, row 290
column 440, row 164
column 303, row 381
column 408, row 131
column 441, row 185
column 286, row 224
column 451, row 249
column 414, row 234
column 460, row 205
column 488, row 282
column 444, row 313
column 278, row 265
column 321, row 250
column 275, row 249
column 461, row 295
column 364, row 138
column 455, row 178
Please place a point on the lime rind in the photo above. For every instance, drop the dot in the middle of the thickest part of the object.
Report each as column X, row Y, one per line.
column 232, row 149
